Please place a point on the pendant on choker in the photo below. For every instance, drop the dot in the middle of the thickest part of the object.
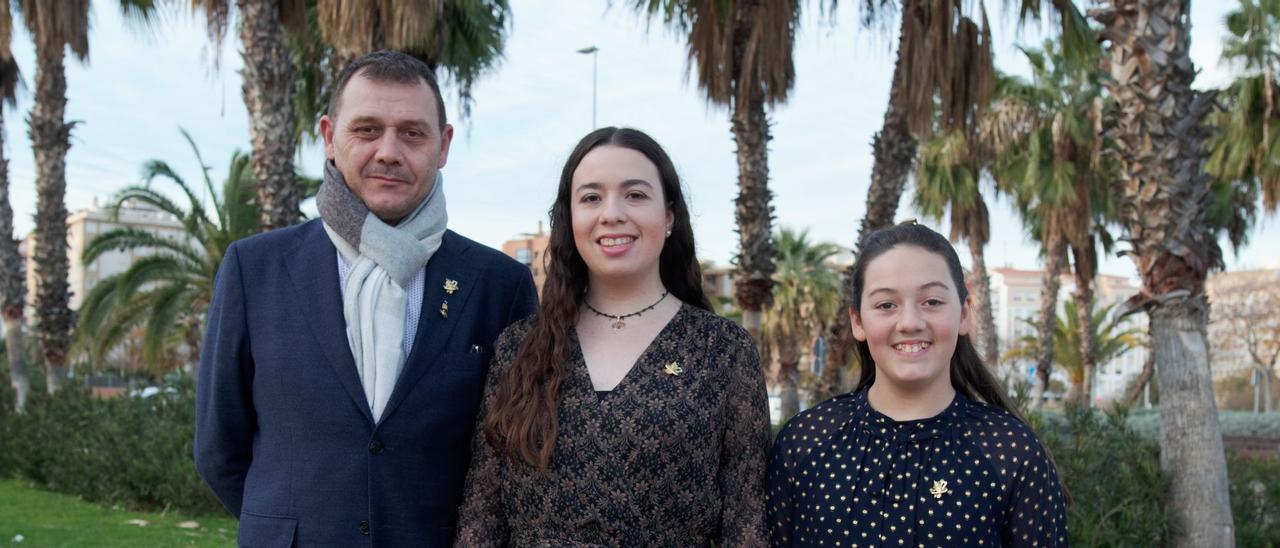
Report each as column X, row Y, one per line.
column 620, row 320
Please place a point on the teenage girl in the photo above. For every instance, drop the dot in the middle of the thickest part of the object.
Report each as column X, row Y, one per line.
column 927, row 451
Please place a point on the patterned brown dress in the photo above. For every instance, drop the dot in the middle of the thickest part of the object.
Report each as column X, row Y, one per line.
column 664, row 460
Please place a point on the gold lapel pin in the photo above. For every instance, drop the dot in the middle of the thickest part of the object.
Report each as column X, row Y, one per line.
column 450, row 286
column 673, row 369
column 939, row 488
column 444, row 309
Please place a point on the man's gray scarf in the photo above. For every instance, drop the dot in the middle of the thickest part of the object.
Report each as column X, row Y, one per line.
column 383, row 260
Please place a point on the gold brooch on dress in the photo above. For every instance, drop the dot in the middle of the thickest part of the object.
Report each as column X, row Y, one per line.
column 450, row 286
column 673, row 369
column 939, row 488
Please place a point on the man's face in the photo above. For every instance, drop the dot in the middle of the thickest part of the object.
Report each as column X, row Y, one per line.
column 387, row 141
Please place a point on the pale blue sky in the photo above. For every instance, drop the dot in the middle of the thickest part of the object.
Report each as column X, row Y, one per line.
column 138, row 88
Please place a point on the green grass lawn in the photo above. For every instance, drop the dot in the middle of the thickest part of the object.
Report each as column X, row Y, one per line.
column 50, row 519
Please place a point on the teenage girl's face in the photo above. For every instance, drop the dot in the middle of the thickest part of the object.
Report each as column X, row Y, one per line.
column 619, row 213
column 911, row 316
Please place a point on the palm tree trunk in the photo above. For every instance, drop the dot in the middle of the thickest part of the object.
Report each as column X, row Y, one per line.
column 268, row 95
column 788, row 367
column 1158, row 130
column 988, row 345
column 1088, row 332
column 1055, row 259
column 1191, row 451
column 13, row 289
column 894, row 150
column 753, row 283
column 50, row 139
column 1144, row 377
column 193, row 334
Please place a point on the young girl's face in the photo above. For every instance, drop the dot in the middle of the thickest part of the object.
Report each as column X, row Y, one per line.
column 910, row 317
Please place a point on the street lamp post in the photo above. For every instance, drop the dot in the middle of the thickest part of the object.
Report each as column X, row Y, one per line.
column 591, row 50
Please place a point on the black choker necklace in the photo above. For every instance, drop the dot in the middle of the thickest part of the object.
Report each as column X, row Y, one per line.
column 619, row 321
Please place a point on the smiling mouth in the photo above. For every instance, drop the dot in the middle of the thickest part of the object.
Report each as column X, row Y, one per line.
column 615, row 242
column 912, row 348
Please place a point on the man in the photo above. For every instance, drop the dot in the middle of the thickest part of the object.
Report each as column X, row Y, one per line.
column 345, row 357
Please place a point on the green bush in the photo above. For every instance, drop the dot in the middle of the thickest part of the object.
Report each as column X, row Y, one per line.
column 1255, row 501
column 127, row 451
column 1112, row 475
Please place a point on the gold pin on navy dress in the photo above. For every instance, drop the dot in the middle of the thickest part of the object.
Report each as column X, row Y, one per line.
column 843, row 474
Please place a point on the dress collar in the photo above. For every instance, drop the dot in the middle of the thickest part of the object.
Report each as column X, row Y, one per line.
column 881, row 425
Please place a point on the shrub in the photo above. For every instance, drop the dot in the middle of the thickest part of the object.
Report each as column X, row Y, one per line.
column 1255, row 500
column 132, row 452
column 1112, row 475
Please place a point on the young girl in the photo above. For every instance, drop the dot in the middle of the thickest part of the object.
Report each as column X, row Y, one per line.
column 625, row 413
column 926, row 451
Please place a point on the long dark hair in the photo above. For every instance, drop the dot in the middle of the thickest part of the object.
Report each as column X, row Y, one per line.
column 523, row 422
column 969, row 375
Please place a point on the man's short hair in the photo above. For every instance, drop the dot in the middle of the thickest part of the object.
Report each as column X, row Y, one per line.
column 388, row 66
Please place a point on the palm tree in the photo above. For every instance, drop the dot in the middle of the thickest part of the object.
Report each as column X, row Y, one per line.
column 806, row 294
column 269, row 79
column 741, row 51
column 168, row 290
column 943, row 78
column 1246, row 147
column 1159, row 132
column 1103, row 327
column 13, row 279
column 1046, row 136
column 56, row 25
column 465, row 38
column 947, row 182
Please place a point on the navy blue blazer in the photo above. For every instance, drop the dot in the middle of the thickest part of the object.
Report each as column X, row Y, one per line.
column 284, row 434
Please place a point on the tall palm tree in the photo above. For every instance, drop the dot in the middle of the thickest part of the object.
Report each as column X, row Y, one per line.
column 56, row 25
column 947, row 182
column 806, row 294
column 13, row 279
column 741, row 52
column 928, row 39
column 1159, row 132
column 269, row 79
column 1046, row 137
column 168, row 289
column 942, row 79
column 1104, row 327
column 465, row 38
column 1246, row 147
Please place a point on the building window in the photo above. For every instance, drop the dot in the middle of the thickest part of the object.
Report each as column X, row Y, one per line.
column 525, row 256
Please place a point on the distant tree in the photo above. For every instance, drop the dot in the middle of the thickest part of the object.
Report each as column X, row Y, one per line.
column 1046, row 137
column 1104, row 327
column 1248, row 319
column 13, row 278
column 741, row 52
column 55, row 26
column 167, row 290
column 1246, row 147
column 806, row 295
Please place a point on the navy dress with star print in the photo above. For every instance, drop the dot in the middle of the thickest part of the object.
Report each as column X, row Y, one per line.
column 843, row 474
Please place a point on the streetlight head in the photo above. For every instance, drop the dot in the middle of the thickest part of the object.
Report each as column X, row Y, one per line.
column 590, row 49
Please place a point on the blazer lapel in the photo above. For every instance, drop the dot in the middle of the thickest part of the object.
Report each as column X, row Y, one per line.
column 313, row 268
column 434, row 327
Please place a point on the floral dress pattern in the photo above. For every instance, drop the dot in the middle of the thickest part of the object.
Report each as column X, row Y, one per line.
column 674, row 456
column 843, row 474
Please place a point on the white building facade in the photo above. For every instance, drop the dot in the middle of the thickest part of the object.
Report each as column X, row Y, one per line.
column 1015, row 301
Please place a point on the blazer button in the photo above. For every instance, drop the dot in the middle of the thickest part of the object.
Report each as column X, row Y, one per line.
column 375, row 447
column 364, row 528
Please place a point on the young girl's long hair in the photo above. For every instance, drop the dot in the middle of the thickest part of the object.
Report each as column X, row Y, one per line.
column 969, row 375
column 524, row 420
